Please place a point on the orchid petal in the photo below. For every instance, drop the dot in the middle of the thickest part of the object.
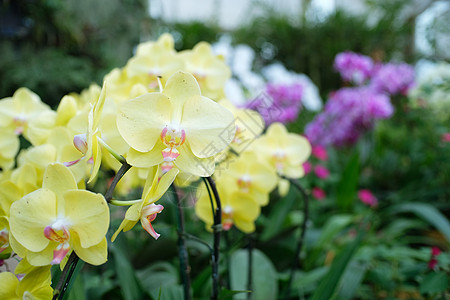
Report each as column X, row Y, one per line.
column 141, row 120
column 188, row 162
column 146, row 159
column 95, row 255
column 32, row 214
column 209, row 126
column 88, row 214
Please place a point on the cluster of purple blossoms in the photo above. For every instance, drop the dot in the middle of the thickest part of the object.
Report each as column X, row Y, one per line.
column 349, row 112
column 354, row 67
column 279, row 102
column 393, row 78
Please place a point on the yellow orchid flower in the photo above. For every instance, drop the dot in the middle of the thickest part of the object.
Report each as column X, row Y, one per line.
column 18, row 110
column 238, row 208
column 249, row 126
column 176, row 125
column 165, row 41
column 210, row 70
column 122, row 87
column 252, row 176
column 145, row 209
column 35, row 285
column 5, row 248
column 41, row 127
column 59, row 148
column 89, row 143
column 9, row 146
column 84, row 98
column 283, row 150
column 107, row 135
column 286, row 152
column 51, row 221
column 155, row 60
column 23, row 180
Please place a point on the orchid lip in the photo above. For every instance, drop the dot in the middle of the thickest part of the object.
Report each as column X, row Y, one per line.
column 148, row 215
column 172, row 138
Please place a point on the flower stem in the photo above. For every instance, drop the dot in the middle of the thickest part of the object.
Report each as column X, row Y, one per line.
column 123, row 169
column 124, row 203
column 63, row 282
column 296, row 262
column 185, row 269
column 200, row 241
column 250, row 267
column 217, row 229
column 116, row 155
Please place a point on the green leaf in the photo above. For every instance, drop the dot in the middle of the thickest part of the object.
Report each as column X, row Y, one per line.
column 328, row 285
column 128, row 283
column 264, row 275
column 173, row 292
column 428, row 213
column 306, row 282
column 226, row 294
column 333, row 226
column 77, row 292
column 158, row 275
column 434, row 282
column 351, row 280
column 348, row 184
column 278, row 214
column 76, row 278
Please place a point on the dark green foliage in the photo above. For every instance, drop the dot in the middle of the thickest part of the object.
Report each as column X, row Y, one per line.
column 62, row 46
column 311, row 48
column 192, row 33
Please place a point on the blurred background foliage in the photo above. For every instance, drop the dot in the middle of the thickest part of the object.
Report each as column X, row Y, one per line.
column 55, row 47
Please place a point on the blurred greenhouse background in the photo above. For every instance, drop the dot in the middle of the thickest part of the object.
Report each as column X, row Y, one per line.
column 379, row 196
column 41, row 40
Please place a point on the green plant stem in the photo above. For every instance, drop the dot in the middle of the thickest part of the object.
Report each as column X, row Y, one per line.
column 124, row 203
column 123, row 169
column 250, row 267
column 200, row 241
column 226, row 235
column 210, row 195
column 63, row 282
column 182, row 251
column 117, row 156
column 296, row 262
column 217, row 229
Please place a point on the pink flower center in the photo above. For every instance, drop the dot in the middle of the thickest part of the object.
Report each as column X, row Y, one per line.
column 279, row 158
column 20, row 122
column 244, row 183
column 227, row 218
column 62, row 236
column 172, row 138
column 4, row 239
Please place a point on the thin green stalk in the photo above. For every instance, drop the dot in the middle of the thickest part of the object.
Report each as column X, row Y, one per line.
column 296, row 262
column 182, row 251
column 210, row 195
column 198, row 240
column 124, row 203
column 116, row 155
column 65, row 277
column 250, row 268
column 123, row 169
column 226, row 235
column 217, row 229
